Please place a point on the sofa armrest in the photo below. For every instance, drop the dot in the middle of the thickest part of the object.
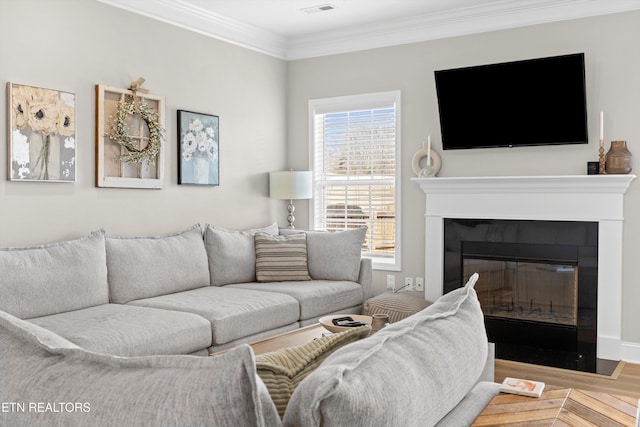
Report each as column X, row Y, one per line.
column 488, row 374
column 365, row 277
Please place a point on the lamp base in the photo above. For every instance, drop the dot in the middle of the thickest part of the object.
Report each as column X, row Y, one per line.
column 290, row 217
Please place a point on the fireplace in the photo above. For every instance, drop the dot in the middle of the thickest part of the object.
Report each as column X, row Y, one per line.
column 537, row 286
column 577, row 198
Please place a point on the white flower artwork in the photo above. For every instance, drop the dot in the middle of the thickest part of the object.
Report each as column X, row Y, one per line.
column 198, row 144
column 43, row 129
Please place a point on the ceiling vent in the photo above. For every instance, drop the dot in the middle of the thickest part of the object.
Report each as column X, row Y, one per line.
column 320, row 8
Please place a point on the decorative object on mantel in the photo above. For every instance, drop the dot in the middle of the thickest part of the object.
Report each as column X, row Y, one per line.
column 593, row 168
column 601, row 159
column 129, row 131
column 618, row 158
column 42, row 130
column 290, row 185
column 433, row 161
column 198, row 146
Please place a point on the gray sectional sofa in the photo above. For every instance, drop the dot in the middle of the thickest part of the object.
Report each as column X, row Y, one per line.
column 434, row 368
column 106, row 331
column 191, row 292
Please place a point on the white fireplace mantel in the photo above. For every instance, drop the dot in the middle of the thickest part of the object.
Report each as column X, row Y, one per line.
column 596, row 198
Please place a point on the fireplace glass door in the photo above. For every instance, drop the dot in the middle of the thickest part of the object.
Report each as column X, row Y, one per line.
column 540, row 292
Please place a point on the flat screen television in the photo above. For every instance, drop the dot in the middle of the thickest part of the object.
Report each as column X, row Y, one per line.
column 522, row 103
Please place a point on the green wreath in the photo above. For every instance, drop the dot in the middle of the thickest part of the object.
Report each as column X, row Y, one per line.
column 119, row 134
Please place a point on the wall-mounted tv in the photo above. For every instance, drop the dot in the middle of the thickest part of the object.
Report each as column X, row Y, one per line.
column 522, row 103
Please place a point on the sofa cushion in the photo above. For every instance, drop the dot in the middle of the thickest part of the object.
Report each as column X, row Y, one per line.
column 281, row 258
column 232, row 254
column 143, row 267
column 316, row 297
column 335, row 255
column 42, row 280
column 130, row 331
column 104, row 390
column 232, row 313
column 436, row 356
column 282, row 370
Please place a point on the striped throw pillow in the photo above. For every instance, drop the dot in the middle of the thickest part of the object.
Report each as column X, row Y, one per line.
column 281, row 258
column 282, row 370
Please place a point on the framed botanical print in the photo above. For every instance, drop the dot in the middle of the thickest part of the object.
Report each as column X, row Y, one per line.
column 198, row 148
column 42, row 134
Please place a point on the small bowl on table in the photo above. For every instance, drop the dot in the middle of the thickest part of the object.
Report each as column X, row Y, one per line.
column 326, row 321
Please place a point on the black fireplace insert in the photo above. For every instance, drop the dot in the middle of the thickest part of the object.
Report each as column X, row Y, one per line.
column 538, row 286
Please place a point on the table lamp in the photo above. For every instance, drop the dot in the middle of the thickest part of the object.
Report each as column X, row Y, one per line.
column 290, row 185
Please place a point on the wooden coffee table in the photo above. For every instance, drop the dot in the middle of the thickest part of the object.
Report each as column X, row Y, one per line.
column 288, row 339
column 560, row 407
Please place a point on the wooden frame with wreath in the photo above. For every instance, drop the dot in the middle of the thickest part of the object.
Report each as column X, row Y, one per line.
column 129, row 138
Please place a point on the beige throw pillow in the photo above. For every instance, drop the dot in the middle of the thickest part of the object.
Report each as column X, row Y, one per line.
column 281, row 258
column 282, row 370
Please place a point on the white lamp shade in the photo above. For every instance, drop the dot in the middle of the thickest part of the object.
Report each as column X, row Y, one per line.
column 291, row 185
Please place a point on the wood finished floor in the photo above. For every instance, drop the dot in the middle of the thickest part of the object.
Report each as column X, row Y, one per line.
column 625, row 380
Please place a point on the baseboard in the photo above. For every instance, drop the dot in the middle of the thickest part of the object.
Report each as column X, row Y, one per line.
column 612, row 348
column 609, row 347
column 630, row 352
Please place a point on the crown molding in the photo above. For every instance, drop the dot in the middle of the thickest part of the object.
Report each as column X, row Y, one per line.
column 460, row 22
column 497, row 15
column 185, row 15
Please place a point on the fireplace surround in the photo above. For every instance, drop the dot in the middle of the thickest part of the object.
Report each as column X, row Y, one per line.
column 579, row 198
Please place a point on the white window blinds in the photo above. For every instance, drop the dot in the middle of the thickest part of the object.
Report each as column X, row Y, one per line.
column 355, row 146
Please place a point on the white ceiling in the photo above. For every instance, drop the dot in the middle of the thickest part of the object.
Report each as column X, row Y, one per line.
column 283, row 29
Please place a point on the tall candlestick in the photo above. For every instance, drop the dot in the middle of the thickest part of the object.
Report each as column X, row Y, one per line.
column 601, row 128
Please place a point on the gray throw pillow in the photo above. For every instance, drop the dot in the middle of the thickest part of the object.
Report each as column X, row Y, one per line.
column 281, row 258
column 333, row 255
column 435, row 356
column 145, row 267
column 48, row 279
column 232, row 254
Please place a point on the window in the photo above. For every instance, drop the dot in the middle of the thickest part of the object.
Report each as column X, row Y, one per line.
column 355, row 147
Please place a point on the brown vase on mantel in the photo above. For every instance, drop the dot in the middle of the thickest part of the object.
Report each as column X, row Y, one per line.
column 618, row 158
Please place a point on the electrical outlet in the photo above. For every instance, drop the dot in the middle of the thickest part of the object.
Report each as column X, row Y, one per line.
column 419, row 283
column 408, row 283
column 391, row 281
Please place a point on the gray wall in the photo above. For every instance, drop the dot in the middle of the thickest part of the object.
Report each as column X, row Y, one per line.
column 72, row 45
column 610, row 44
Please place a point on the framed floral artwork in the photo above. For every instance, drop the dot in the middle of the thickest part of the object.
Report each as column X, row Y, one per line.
column 42, row 134
column 198, row 148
